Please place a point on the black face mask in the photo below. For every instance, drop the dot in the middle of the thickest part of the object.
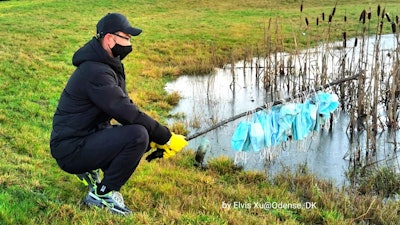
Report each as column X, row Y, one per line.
column 121, row 51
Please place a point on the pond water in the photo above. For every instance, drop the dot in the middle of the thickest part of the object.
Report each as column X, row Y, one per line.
column 209, row 99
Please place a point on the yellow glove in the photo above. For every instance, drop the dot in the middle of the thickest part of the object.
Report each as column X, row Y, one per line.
column 153, row 145
column 166, row 151
column 175, row 144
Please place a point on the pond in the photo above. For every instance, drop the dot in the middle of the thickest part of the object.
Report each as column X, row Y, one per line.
column 234, row 89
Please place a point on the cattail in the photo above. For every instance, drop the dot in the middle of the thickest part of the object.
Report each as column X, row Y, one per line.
column 383, row 13
column 369, row 14
column 388, row 17
column 397, row 19
column 301, row 6
column 393, row 27
column 355, row 42
column 317, row 21
column 330, row 18
column 378, row 10
column 380, row 27
column 323, row 16
column 362, row 16
column 306, row 21
column 345, row 18
column 334, row 10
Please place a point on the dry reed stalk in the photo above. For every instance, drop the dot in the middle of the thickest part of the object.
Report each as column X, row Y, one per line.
column 257, row 64
column 394, row 90
column 324, row 72
column 268, row 43
column 344, row 35
column 276, row 55
column 232, row 62
column 375, row 96
column 370, row 137
column 376, row 64
column 343, row 64
column 342, row 88
column 352, row 60
column 380, row 27
column 364, row 214
column 351, row 126
column 324, row 64
column 361, row 95
column 305, row 76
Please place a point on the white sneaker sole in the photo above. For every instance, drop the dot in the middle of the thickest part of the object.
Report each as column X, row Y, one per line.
column 92, row 200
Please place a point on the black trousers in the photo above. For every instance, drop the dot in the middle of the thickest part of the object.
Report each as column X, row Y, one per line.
column 116, row 151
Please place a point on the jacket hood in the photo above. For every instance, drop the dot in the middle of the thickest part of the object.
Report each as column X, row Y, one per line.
column 93, row 51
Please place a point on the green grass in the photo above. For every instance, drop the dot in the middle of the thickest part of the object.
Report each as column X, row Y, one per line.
column 38, row 39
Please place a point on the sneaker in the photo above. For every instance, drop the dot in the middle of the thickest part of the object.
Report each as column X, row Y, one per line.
column 90, row 179
column 112, row 200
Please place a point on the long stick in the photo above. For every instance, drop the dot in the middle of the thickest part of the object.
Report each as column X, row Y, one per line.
column 278, row 102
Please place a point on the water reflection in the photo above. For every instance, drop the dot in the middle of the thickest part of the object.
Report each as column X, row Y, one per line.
column 235, row 89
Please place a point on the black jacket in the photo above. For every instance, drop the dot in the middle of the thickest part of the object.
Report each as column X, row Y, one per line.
column 96, row 93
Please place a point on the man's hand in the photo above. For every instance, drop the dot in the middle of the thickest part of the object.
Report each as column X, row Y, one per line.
column 175, row 144
column 158, row 153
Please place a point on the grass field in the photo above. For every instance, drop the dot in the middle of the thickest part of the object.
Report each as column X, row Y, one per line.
column 38, row 39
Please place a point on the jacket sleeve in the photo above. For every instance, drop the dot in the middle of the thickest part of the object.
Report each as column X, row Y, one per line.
column 105, row 93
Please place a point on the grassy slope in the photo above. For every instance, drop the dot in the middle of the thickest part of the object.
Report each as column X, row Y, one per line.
column 38, row 39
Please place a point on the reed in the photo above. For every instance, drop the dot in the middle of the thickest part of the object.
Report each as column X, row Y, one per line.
column 363, row 99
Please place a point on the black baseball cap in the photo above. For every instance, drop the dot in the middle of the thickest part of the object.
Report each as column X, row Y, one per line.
column 114, row 22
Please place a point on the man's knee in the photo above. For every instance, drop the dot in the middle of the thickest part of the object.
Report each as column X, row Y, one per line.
column 138, row 135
